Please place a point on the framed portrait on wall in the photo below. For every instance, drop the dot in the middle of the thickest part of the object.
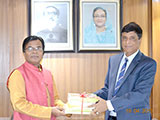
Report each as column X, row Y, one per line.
column 53, row 21
column 99, row 25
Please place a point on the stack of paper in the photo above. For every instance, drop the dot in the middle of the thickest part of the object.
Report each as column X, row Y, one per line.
column 78, row 103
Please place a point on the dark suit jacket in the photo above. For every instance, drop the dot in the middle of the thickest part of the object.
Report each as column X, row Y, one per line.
column 132, row 100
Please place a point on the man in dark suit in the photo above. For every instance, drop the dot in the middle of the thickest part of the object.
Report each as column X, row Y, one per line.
column 128, row 84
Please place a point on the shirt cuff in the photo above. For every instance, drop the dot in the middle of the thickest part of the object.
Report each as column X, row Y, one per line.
column 109, row 105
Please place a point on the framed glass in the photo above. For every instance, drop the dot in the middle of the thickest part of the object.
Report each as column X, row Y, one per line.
column 53, row 21
column 99, row 25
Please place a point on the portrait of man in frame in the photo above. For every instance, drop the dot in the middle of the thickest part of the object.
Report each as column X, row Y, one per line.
column 52, row 20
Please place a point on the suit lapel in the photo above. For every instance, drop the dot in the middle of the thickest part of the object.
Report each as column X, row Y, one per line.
column 133, row 64
column 115, row 70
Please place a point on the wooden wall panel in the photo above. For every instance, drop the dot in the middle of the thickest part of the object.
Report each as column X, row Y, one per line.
column 138, row 11
column 4, row 58
column 77, row 72
column 7, row 35
column 156, row 56
column 18, row 30
column 13, row 28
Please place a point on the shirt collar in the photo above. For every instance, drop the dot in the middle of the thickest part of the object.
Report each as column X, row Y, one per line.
column 131, row 57
column 30, row 66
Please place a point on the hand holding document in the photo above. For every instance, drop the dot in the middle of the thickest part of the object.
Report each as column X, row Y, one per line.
column 57, row 111
column 99, row 107
column 78, row 103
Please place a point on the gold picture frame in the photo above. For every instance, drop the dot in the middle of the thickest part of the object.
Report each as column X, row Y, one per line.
column 53, row 21
column 90, row 39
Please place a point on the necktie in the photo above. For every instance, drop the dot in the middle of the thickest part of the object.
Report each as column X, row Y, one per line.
column 120, row 77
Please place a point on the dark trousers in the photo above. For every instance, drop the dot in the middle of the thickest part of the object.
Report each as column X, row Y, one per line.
column 112, row 118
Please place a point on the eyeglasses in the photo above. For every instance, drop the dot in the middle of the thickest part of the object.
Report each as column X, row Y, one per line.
column 132, row 38
column 31, row 49
column 99, row 16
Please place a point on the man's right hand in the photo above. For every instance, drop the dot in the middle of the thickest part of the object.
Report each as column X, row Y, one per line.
column 57, row 111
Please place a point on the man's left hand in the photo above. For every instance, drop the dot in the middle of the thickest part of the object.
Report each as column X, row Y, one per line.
column 99, row 107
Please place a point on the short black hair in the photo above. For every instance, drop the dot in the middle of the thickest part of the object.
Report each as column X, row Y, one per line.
column 32, row 38
column 132, row 26
column 99, row 8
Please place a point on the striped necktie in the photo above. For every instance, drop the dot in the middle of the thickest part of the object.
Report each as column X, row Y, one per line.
column 120, row 77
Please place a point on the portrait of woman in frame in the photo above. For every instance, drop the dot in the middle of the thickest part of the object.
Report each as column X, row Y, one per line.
column 99, row 25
